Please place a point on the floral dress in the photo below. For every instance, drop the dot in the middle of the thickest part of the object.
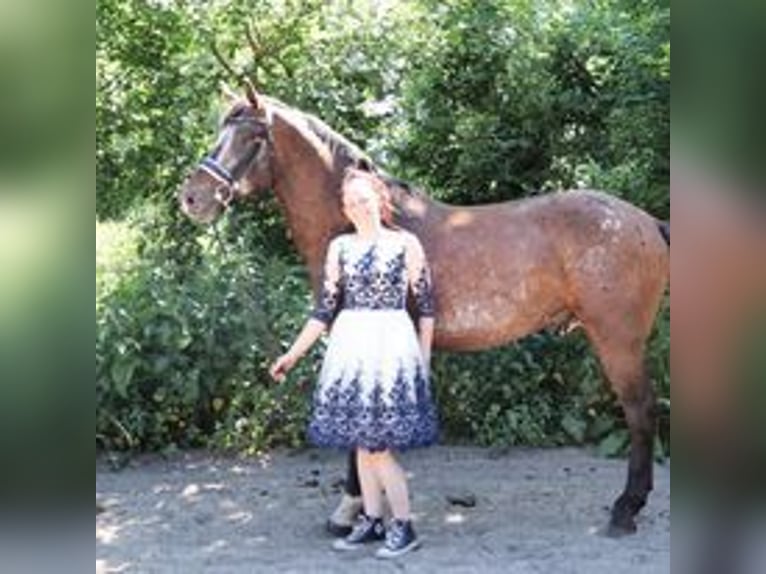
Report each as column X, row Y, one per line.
column 373, row 390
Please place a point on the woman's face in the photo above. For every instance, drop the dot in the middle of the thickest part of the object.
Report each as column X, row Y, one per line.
column 360, row 202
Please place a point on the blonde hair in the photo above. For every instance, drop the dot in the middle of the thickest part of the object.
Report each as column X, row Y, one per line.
column 380, row 188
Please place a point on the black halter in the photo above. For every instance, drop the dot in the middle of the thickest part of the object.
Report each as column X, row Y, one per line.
column 230, row 178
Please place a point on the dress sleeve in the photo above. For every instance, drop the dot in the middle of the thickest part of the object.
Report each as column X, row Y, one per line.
column 328, row 302
column 419, row 277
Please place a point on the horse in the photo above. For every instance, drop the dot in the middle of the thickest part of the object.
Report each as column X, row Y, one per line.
column 501, row 271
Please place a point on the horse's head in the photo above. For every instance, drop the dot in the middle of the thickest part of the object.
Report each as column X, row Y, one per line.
column 239, row 164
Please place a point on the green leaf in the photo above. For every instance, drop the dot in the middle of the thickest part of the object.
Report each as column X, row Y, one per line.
column 160, row 364
column 122, row 374
column 613, row 444
column 575, row 427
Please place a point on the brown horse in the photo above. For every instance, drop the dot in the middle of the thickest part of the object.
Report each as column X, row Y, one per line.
column 501, row 271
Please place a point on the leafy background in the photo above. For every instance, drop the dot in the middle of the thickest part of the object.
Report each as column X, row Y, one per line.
column 475, row 100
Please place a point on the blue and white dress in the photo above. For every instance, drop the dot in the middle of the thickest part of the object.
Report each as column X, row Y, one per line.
column 373, row 390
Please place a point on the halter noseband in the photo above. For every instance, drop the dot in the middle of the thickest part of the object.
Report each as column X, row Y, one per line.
column 216, row 170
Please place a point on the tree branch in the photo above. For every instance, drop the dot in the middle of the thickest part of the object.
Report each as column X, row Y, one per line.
column 224, row 63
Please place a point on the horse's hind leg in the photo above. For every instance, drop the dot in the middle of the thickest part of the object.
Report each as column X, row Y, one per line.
column 623, row 365
column 617, row 287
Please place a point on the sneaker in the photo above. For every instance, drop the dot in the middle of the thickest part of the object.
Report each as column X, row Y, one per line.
column 400, row 539
column 345, row 515
column 366, row 529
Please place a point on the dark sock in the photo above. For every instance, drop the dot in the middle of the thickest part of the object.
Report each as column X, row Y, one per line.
column 353, row 488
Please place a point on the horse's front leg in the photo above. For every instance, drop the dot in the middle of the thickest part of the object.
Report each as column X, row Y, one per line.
column 350, row 505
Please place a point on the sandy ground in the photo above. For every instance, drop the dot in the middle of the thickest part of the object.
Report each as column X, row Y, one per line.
column 535, row 511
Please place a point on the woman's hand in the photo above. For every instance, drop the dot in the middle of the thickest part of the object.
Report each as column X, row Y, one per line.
column 308, row 335
column 282, row 366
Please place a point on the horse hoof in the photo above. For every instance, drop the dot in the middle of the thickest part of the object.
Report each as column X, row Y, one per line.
column 620, row 529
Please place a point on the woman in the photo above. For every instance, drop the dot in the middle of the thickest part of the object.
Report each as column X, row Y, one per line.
column 373, row 392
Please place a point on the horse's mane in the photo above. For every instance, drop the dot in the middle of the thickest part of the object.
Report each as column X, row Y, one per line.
column 340, row 146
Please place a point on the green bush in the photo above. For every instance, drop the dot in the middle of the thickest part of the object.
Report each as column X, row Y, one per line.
column 512, row 98
column 535, row 391
column 183, row 362
column 544, row 390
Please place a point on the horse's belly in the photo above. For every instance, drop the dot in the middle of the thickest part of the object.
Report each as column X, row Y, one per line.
column 478, row 324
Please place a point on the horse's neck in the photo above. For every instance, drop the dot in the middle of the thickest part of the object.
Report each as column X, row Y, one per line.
column 308, row 174
column 414, row 210
column 305, row 182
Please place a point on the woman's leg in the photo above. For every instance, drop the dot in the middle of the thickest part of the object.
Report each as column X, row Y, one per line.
column 369, row 527
column 400, row 536
column 391, row 475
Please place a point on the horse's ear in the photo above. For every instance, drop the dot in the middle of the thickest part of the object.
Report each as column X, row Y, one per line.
column 252, row 94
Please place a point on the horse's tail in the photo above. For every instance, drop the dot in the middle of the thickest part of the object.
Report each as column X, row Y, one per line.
column 664, row 227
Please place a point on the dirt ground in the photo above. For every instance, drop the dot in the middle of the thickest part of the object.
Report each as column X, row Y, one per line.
column 536, row 511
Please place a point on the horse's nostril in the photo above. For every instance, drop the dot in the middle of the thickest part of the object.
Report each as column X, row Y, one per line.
column 189, row 200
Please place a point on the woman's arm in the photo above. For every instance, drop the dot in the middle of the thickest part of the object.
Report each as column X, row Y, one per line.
column 419, row 276
column 311, row 331
column 426, row 335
